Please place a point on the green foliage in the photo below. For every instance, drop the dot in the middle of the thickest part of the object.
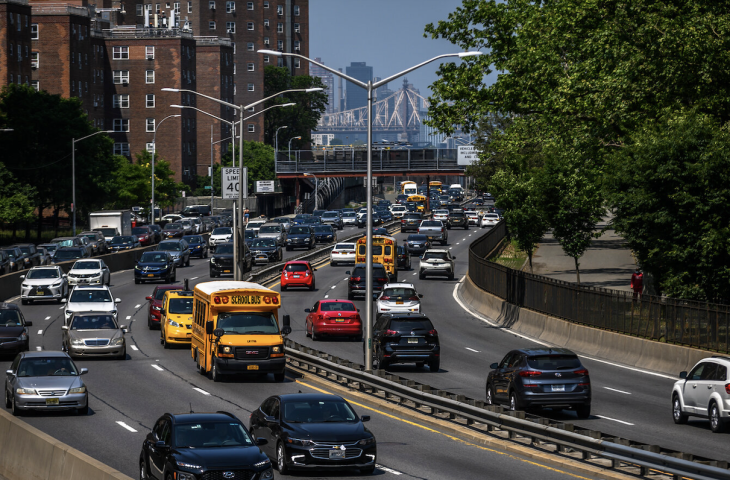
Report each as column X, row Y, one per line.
column 17, row 201
column 257, row 156
column 134, row 182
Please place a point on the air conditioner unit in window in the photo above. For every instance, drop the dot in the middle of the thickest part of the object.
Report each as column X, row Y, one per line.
column 34, row 66
column 150, row 56
column 228, row 30
column 212, row 7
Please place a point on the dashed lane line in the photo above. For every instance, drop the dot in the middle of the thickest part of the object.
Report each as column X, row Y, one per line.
column 127, row 427
column 472, row 350
column 200, row 390
column 616, row 390
column 138, row 305
column 48, row 318
column 614, row 420
column 388, row 470
column 134, row 347
column 128, row 317
column 40, row 332
column 157, row 367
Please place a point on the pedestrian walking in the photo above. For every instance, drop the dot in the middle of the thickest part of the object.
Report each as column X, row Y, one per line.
column 637, row 283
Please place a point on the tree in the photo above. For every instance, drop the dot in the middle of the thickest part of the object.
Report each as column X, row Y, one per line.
column 301, row 118
column 134, row 182
column 257, row 156
column 17, row 201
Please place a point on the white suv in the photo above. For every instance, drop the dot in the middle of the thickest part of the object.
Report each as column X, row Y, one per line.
column 704, row 392
column 399, row 298
column 90, row 298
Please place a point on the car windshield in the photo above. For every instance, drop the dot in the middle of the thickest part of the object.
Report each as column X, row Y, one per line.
column 299, row 230
column 67, row 254
column 95, row 295
column 553, row 362
column 457, row 214
column 93, row 322
column 222, row 231
column 90, row 236
column 140, row 231
column 41, row 273
column 411, row 324
column 211, row 435
column 399, row 292
column 248, row 323
column 224, row 249
column 441, row 212
column 270, row 229
column 318, row 411
column 86, row 265
column 412, row 216
column 264, row 242
column 10, row 318
column 65, row 243
column 322, row 229
column 193, row 239
column 345, row 246
column 161, row 292
column 430, row 224
column 51, row 247
column 349, row 215
column 491, row 215
column 46, row 367
column 249, row 234
column 255, row 225
column 444, row 197
column 126, row 240
column 153, row 257
column 337, row 307
column 169, row 247
column 25, row 250
column 173, row 226
column 181, row 306
column 330, row 215
column 435, row 256
column 417, row 238
column 108, row 232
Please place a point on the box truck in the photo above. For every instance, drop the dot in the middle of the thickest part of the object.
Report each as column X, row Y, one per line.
column 111, row 223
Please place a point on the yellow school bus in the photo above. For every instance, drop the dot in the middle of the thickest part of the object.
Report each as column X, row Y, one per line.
column 420, row 201
column 236, row 329
column 435, row 184
column 385, row 250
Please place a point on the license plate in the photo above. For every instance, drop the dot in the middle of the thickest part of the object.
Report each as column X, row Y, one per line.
column 52, row 401
column 150, row 274
column 431, row 238
column 399, row 303
column 39, row 292
column 226, row 271
column 339, row 320
column 558, row 388
column 253, row 367
column 297, row 276
column 337, row 454
column 412, row 340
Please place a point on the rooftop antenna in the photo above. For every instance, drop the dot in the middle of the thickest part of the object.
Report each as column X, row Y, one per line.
column 186, row 284
column 191, row 407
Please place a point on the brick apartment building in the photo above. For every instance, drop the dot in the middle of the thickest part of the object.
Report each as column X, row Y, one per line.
column 106, row 57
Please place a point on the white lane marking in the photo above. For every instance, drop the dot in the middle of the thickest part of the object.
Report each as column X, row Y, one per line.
column 470, row 234
column 347, row 278
column 334, row 286
column 200, row 390
column 414, row 273
column 450, row 248
column 472, row 350
column 134, row 347
column 403, row 281
column 484, row 319
column 614, row 420
column 48, row 318
column 194, row 278
column 457, row 243
column 39, row 348
column 157, row 367
column 619, row 391
column 128, row 317
column 326, row 296
column 138, row 305
column 389, row 470
column 124, row 425
column 40, row 332
column 61, row 308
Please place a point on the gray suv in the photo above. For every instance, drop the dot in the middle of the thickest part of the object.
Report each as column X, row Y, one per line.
column 333, row 218
column 704, row 392
column 436, row 262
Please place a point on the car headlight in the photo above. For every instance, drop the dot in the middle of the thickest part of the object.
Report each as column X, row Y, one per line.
column 174, row 323
column 25, row 391
column 22, row 337
column 277, row 349
column 288, row 240
column 77, row 341
column 299, row 442
column 137, row 267
column 78, row 390
column 367, row 441
column 267, row 475
column 68, row 313
column 212, row 260
column 58, row 283
column 23, row 285
column 118, row 341
column 155, row 307
column 191, row 466
column 226, row 349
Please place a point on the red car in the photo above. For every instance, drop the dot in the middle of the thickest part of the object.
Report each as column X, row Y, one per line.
column 335, row 318
column 145, row 235
column 153, row 317
column 298, row 273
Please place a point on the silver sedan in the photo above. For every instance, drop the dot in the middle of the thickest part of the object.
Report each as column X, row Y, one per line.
column 94, row 334
column 43, row 283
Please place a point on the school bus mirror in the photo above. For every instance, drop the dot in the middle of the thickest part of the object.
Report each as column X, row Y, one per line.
column 218, row 332
column 286, row 320
column 209, row 327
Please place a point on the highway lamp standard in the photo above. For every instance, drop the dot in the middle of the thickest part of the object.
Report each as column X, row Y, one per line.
column 276, row 148
column 238, row 272
column 316, row 187
column 370, row 87
column 73, row 172
column 290, row 140
column 154, row 153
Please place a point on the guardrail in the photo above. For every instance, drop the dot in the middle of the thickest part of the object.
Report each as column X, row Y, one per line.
column 620, row 453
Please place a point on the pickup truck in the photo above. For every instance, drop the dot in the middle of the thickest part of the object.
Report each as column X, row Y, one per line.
column 435, row 230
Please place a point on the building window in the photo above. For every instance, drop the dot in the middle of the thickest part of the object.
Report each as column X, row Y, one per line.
column 190, row 7
column 120, row 101
column 150, row 100
column 211, row 5
column 176, row 7
column 297, row 63
column 250, row 87
column 296, row 10
column 86, row 87
column 121, row 149
column 150, row 125
column 121, row 124
column 149, row 52
column 150, row 76
column 231, row 27
column 35, row 60
column 249, row 25
column 120, row 53
column 250, row 46
column 296, row 28
column 250, row 66
column 280, row 45
column 34, row 31
column 79, row 61
column 140, row 11
column 280, row 10
column 266, row 22
column 279, row 27
column 266, row 40
column 231, row 6
column 35, row 84
column 121, row 76
column 266, row 4
column 297, row 45
column 211, row 25
column 266, row 59
column 251, row 128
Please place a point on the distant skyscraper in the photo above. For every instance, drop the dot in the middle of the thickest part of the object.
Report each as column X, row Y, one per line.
column 356, row 96
column 329, row 81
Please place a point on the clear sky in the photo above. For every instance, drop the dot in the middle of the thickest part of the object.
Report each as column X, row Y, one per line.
column 386, row 34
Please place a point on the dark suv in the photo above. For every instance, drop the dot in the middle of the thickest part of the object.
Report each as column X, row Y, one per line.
column 357, row 282
column 406, row 338
column 457, row 218
column 221, row 262
column 540, row 377
column 31, row 255
column 410, row 221
column 14, row 335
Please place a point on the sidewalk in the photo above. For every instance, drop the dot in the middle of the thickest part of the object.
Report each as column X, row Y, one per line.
column 607, row 263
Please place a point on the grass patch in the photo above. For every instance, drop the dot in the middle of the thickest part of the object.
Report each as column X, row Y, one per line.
column 509, row 255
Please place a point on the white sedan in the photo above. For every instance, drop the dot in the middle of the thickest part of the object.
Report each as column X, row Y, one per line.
column 89, row 272
column 399, row 298
column 342, row 253
column 442, row 215
column 490, row 220
column 473, row 217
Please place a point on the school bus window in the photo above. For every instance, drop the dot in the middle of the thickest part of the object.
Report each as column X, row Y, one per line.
column 248, row 323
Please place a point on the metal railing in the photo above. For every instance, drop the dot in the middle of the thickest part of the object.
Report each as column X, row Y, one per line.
column 683, row 322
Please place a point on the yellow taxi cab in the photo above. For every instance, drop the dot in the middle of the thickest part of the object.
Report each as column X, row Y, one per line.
column 176, row 320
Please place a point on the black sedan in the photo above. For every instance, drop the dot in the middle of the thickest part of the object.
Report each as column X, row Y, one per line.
column 14, row 335
column 417, row 244
column 314, row 431
column 380, row 231
column 124, row 242
column 198, row 245
column 265, row 250
column 155, row 265
column 300, row 236
column 324, row 234
column 363, row 220
column 190, row 446
column 540, row 377
column 172, row 230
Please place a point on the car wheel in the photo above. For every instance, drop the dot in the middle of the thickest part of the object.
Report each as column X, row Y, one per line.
column 514, row 403
column 281, row 459
column 163, row 340
column 350, row 296
column 583, row 411
column 677, row 414
column 490, row 396
column 8, row 403
column 451, row 276
column 205, row 254
column 283, row 288
column 717, row 425
column 14, row 408
column 315, row 337
column 434, row 365
column 288, row 249
column 201, row 369
column 421, row 275
column 214, row 374
column 143, row 470
column 174, row 277
column 84, row 410
column 333, row 263
column 307, row 333
column 420, row 364
column 136, row 281
column 368, row 470
column 24, row 301
column 213, row 275
column 187, row 262
column 311, row 288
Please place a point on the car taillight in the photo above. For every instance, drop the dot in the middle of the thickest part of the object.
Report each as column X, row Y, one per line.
column 390, row 333
column 384, row 280
column 306, row 274
column 529, row 373
column 385, row 297
column 267, row 300
column 402, row 220
column 275, row 300
column 727, row 388
column 433, row 333
column 354, row 279
column 582, row 371
column 414, row 298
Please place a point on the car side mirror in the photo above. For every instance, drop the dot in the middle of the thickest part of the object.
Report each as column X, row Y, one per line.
column 420, row 295
column 269, row 418
column 494, row 366
column 63, row 327
column 347, row 273
column 286, row 325
column 65, row 276
column 9, row 372
column 209, row 327
column 453, row 256
column 22, row 277
column 683, row 374
column 63, row 300
column 261, row 441
column 365, row 418
column 84, row 371
column 307, row 310
column 117, row 300
column 123, row 327
column 160, row 444
column 28, row 323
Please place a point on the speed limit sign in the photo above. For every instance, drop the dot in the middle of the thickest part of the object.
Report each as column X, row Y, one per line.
column 230, row 182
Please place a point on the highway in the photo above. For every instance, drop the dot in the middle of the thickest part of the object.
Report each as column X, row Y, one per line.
column 128, row 396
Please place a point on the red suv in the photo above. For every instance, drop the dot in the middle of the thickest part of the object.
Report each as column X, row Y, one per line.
column 298, row 273
column 153, row 317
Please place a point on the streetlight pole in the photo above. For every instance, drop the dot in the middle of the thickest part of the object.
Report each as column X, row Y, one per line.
column 73, row 171
column 370, row 87
column 316, row 187
column 276, row 148
column 154, row 154
column 290, row 140
column 242, row 183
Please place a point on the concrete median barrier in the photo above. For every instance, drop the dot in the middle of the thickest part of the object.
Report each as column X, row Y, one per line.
column 26, row 453
column 636, row 352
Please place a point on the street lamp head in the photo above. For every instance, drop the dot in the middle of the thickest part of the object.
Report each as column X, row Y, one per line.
column 469, row 54
column 178, row 106
column 296, row 138
column 308, row 174
column 271, row 52
column 176, row 90
column 310, row 90
column 288, row 105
